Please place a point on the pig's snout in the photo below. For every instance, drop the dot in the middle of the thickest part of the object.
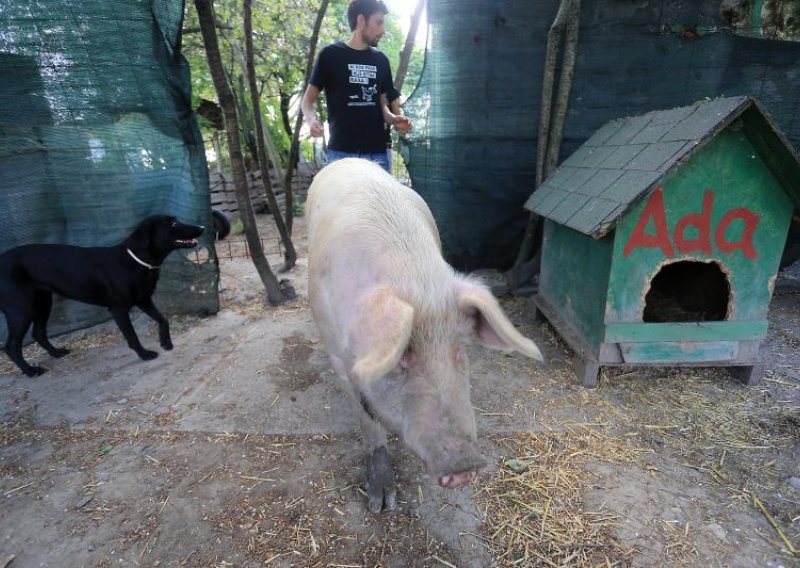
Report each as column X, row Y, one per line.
column 452, row 459
column 456, row 480
column 462, row 473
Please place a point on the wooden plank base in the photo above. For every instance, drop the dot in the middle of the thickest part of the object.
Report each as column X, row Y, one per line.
column 747, row 365
column 750, row 375
column 587, row 371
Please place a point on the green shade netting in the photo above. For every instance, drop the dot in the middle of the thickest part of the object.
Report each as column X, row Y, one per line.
column 97, row 132
column 472, row 152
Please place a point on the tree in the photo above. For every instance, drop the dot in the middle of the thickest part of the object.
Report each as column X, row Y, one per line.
column 282, row 36
column 205, row 13
column 293, row 148
column 408, row 48
column 551, row 129
column 290, row 256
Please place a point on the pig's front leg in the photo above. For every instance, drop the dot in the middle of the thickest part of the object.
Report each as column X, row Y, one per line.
column 381, row 489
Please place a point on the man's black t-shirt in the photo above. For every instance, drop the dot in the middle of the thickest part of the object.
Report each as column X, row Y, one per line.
column 353, row 81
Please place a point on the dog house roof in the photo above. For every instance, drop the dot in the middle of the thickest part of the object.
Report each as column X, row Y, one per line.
column 627, row 158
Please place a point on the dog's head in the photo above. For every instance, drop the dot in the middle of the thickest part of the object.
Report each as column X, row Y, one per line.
column 159, row 235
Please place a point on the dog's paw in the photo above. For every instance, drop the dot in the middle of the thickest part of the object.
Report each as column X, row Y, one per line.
column 147, row 355
column 167, row 345
column 34, row 371
column 58, row 352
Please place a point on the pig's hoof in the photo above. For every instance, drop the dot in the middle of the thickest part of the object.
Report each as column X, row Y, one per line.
column 287, row 289
column 381, row 491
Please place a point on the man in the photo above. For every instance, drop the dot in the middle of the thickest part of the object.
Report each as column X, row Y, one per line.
column 356, row 78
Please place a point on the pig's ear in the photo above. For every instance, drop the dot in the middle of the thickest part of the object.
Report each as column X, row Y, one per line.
column 491, row 325
column 381, row 334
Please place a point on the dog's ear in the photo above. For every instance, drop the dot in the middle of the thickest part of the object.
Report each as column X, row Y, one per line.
column 141, row 236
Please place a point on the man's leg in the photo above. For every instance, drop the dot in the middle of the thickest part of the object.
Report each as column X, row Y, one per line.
column 333, row 155
column 380, row 158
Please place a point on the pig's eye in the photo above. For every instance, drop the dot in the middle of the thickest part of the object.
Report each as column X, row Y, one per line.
column 459, row 356
column 405, row 360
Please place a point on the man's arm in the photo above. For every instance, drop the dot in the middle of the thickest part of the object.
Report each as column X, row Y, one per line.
column 309, row 111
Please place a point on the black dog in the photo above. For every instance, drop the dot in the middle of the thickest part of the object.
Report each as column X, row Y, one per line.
column 117, row 278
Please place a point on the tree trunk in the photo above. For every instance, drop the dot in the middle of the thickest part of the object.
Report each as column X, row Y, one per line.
column 545, row 107
column 564, row 87
column 205, row 13
column 241, row 105
column 294, row 147
column 218, row 151
column 285, row 101
column 551, row 130
column 408, row 48
column 290, row 256
column 271, row 150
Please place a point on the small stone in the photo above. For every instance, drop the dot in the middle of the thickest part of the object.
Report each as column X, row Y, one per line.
column 718, row 531
column 122, row 401
column 795, row 482
column 83, row 502
column 515, row 465
column 103, row 476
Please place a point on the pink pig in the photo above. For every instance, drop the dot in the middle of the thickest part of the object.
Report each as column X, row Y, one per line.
column 395, row 319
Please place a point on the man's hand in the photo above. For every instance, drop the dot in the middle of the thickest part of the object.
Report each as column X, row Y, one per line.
column 402, row 123
column 316, row 128
column 307, row 106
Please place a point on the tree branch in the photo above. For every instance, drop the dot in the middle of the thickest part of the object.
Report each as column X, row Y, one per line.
column 205, row 13
column 408, row 48
column 294, row 147
column 290, row 256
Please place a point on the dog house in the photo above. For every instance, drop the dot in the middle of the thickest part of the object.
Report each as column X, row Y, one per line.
column 662, row 238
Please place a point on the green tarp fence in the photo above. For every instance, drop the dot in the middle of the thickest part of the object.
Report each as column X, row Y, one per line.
column 472, row 152
column 96, row 133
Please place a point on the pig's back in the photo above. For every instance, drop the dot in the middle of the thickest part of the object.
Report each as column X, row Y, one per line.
column 356, row 201
column 367, row 230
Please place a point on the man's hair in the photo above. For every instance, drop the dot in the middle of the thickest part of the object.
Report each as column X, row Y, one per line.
column 364, row 8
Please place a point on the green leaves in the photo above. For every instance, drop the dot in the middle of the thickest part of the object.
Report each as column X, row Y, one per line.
column 281, row 35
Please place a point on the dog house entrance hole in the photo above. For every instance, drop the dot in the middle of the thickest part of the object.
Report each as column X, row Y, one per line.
column 688, row 291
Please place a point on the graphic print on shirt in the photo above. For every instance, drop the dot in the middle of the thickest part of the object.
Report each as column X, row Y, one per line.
column 362, row 75
column 367, row 94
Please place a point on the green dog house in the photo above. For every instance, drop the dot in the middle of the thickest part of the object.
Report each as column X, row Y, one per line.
column 662, row 238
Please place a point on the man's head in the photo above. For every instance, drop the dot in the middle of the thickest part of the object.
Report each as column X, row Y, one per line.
column 366, row 18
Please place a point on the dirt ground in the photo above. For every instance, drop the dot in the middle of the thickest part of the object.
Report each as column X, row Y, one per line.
column 239, row 449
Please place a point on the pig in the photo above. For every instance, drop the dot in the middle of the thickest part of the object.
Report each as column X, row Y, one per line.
column 395, row 319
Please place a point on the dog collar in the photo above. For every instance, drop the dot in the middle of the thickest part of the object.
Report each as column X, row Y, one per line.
column 140, row 261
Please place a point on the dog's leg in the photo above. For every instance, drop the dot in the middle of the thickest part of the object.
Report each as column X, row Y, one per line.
column 18, row 324
column 42, row 304
column 150, row 309
column 123, row 319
